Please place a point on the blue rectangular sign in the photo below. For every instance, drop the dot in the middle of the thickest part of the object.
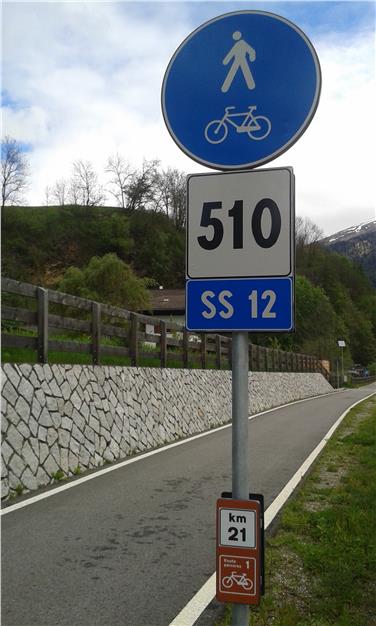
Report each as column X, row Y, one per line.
column 226, row 305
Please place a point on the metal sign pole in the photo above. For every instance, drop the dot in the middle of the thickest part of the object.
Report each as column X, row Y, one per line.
column 343, row 371
column 240, row 487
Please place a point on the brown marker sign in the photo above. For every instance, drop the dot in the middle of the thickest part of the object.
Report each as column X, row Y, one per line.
column 238, row 551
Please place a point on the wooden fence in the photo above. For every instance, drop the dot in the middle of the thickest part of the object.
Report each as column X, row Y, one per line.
column 34, row 317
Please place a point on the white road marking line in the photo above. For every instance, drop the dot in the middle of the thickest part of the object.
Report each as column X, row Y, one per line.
column 192, row 611
column 139, row 457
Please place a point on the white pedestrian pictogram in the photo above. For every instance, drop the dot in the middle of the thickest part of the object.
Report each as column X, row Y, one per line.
column 238, row 54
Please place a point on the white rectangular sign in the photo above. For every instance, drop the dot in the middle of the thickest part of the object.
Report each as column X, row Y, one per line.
column 240, row 224
column 237, row 528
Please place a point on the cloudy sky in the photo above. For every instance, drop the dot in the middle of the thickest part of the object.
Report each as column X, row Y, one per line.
column 82, row 80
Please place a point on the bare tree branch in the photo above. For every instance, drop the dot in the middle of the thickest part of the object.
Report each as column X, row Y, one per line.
column 122, row 173
column 171, row 194
column 307, row 232
column 142, row 185
column 14, row 172
column 47, row 195
column 85, row 187
column 60, row 191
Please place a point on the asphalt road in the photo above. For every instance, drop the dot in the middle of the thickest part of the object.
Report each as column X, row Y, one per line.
column 130, row 548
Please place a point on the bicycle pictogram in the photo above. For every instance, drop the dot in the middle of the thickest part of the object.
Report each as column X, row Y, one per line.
column 238, row 579
column 256, row 126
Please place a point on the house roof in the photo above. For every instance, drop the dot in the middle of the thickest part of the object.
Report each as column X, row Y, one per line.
column 167, row 300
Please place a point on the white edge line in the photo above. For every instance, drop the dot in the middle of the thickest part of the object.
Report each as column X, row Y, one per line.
column 192, row 611
column 139, row 457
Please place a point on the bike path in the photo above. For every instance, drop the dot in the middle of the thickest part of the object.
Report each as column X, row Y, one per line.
column 131, row 547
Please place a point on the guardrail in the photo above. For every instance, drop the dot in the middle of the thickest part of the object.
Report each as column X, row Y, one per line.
column 362, row 380
column 35, row 318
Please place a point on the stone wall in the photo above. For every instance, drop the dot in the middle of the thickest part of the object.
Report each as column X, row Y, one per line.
column 69, row 418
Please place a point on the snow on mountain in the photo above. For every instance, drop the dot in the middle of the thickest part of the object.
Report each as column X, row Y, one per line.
column 364, row 228
column 357, row 243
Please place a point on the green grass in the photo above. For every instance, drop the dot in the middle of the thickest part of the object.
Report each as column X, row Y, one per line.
column 321, row 563
column 59, row 475
column 25, row 355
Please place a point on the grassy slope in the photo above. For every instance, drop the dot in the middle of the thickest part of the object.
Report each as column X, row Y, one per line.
column 321, row 564
column 40, row 243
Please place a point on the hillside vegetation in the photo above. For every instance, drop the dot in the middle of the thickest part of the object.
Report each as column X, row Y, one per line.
column 40, row 243
column 93, row 251
column 357, row 243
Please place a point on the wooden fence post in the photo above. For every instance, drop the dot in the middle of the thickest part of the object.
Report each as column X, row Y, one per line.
column 250, row 356
column 163, row 344
column 133, row 339
column 277, row 360
column 185, row 348
column 218, row 352
column 229, row 353
column 273, row 360
column 42, row 341
column 203, row 351
column 95, row 332
column 258, row 358
column 267, row 359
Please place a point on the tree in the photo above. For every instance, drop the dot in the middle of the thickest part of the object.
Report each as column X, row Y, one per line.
column 60, row 191
column 317, row 325
column 171, row 195
column 74, row 192
column 134, row 189
column 85, row 188
column 14, row 172
column 142, row 186
column 107, row 279
column 122, row 173
column 306, row 232
column 47, row 195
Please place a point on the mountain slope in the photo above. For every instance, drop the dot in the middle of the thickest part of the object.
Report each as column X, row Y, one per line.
column 357, row 243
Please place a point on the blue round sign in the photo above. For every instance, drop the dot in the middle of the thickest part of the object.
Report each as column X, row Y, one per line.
column 241, row 89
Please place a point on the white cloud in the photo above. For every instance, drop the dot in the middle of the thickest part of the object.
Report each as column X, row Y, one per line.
column 334, row 161
column 86, row 78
